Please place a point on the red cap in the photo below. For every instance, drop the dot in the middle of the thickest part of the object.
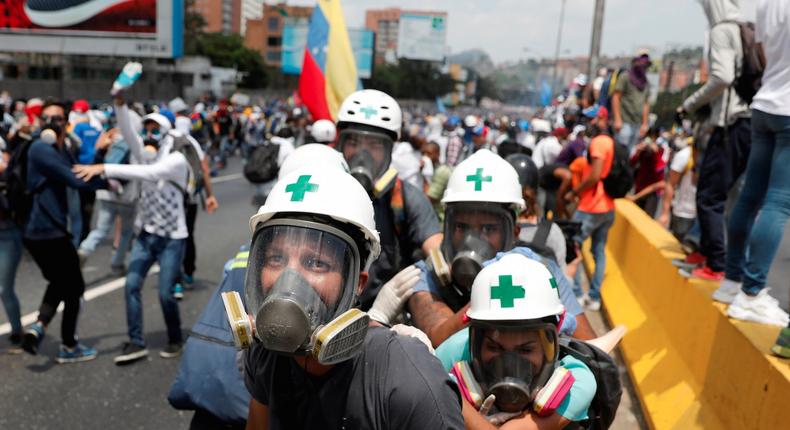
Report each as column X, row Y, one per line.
column 80, row 106
column 603, row 113
column 560, row 132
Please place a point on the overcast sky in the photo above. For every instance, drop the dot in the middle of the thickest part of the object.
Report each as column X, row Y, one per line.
column 513, row 29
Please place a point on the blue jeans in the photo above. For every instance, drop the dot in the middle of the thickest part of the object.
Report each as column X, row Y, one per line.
column 75, row 215
column 758, row 219
column 595, row 226
column 105, row 223
column 628, row 136
column 10, row 254
column 147, row 249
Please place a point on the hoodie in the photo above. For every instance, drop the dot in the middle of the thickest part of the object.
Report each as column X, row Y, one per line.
column 724, row 63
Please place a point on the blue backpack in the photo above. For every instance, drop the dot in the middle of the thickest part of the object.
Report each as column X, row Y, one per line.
column 209, row 377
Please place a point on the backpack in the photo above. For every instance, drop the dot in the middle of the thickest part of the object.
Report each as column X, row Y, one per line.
column 195, row 181
column 603, row 407
column 538, row 243
column 620, row 179
column 262, row 165
column 749, row 81
column 17, row 200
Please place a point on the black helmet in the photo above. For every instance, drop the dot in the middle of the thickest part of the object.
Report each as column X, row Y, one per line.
column 526, row 169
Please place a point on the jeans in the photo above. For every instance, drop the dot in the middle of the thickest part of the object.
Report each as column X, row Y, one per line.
column 10, row 254
column 595, row 226
column 757, row 221
column 60, row 266
column 75, row 215
column 225, row 148
column 628, row 136
column 190, row 253
column 147, row 249
column 722, row 164
column 105, row 223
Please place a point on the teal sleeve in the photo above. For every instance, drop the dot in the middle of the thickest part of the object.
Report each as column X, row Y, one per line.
column 578, row 400
column 454, row 349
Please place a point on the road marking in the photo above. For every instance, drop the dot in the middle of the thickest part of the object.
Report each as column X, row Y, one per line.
column 89, row 295
column 226, row 178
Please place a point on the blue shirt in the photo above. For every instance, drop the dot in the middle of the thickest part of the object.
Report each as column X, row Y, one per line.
column 576, row 403
column 88, row 135
column 572, row 308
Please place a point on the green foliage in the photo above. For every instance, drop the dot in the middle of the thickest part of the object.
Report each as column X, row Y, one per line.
column 228, row 50
column 411, row 79
column 194, row 24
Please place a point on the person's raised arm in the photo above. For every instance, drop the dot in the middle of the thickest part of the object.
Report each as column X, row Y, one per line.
column 127, row 131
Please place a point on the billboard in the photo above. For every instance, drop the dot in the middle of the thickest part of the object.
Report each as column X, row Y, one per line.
column 295, row 40
column 422, row 37
column 139, row 28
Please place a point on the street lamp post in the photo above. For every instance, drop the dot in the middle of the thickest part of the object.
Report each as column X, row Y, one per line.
column 595, row 44
column 557, row 49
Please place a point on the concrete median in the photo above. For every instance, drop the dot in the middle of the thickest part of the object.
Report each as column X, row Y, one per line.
column 693, row 368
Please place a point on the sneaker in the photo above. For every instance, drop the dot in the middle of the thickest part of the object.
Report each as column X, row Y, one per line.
column 761, row 308
column 83, row 256
column 782, row 345
column 15, row 339
column 118, row 270
column 172, row 350
column 727, row 291
column 704, row 272
column 593, row 305
column 75, row 355
column 33, row 337
column 130, row 353
column 695, row 259
column 178, row 291
column 583, row 299
column 188, row 281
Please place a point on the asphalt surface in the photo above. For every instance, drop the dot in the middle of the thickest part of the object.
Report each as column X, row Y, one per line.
column 37, row 393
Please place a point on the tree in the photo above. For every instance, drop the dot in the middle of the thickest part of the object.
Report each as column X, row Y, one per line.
column 228, row 50
column 194, row 25
column 411, row 79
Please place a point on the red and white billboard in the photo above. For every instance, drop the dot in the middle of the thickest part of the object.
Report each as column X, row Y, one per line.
column 145, row 28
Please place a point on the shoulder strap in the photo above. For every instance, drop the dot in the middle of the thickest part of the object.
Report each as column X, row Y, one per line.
column 542, row 235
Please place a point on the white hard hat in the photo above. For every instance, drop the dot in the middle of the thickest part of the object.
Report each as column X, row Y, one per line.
column 312, row 154
column 540, row 125
column 372, row 108
column 177, row 105
column 323, row 131
column 515, row 288
column 323, row 191
column 485, row 177
column 164, row 123
column 471, row 121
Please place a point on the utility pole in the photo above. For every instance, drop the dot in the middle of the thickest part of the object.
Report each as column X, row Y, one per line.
column 557, row 49
column 595, row 45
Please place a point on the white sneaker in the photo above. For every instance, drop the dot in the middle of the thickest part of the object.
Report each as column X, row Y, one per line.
column 727, row 291
column 594, row 305
column 583, row 299
column 761, row 308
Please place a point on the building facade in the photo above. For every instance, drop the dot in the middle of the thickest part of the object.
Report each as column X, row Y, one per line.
column 250, row 9
column 385, row 23
column 221, row 15
column 265, row 35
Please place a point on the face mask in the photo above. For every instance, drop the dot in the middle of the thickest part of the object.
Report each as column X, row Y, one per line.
column 361, row 168
column 508, row 377
column 149, row 153
column 469, row 259
column 151, row 138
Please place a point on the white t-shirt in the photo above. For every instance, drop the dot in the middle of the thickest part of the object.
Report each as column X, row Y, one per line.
column 772, row 29
column 547, row 151
column 684, row 204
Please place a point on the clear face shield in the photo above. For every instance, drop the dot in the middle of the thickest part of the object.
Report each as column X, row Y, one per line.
column 368, row 154
column 513, row 363
column 301, row 284
column 473, row 233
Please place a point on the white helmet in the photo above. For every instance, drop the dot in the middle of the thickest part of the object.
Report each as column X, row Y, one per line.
column 323, row 131
column 177, row 105
column 485, row 177
column 514, row 288
column 372, row 108
column 164, row 123
column 471, row 121
column 324, row 191
column 310, row 155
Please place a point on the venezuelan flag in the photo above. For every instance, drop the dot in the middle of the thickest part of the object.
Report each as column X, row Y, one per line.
column 329, row 73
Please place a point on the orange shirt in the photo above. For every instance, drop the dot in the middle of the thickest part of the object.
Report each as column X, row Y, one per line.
column 594, row 199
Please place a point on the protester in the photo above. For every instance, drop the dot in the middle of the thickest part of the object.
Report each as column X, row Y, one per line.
column 10, row 252
column 630, row 102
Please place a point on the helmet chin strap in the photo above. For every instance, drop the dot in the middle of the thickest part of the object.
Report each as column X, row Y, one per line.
column 384, row 181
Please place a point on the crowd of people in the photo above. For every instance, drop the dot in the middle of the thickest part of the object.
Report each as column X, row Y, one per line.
column 406, row 269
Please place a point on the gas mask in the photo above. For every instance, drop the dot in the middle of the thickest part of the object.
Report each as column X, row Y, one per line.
column 510, row 375
column 54, row 123
column 301, row 284
column 368, row 153
column 473, row 233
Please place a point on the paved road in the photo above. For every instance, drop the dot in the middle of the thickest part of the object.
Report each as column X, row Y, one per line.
column 37, row 393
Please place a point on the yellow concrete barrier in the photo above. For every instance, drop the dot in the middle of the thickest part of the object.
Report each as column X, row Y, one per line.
column 693, row 368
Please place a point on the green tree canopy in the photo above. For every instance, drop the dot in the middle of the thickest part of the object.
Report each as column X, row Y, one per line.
column 228, row 50
column 411, row 79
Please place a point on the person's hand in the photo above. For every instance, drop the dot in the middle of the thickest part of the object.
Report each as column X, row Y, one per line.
column 570, row 196
column 617, row 124
column 411, row 331
column 211, row 204
column 105, row 140
column 86, row 173
column 394, row 294
column 643, row 130
column 663, row 219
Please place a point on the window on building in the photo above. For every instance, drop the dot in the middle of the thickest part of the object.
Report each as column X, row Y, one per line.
column 274, row 23
column 274, row 41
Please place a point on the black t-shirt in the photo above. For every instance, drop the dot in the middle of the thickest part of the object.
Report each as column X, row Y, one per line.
column 225, row 122
column 394, row 383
